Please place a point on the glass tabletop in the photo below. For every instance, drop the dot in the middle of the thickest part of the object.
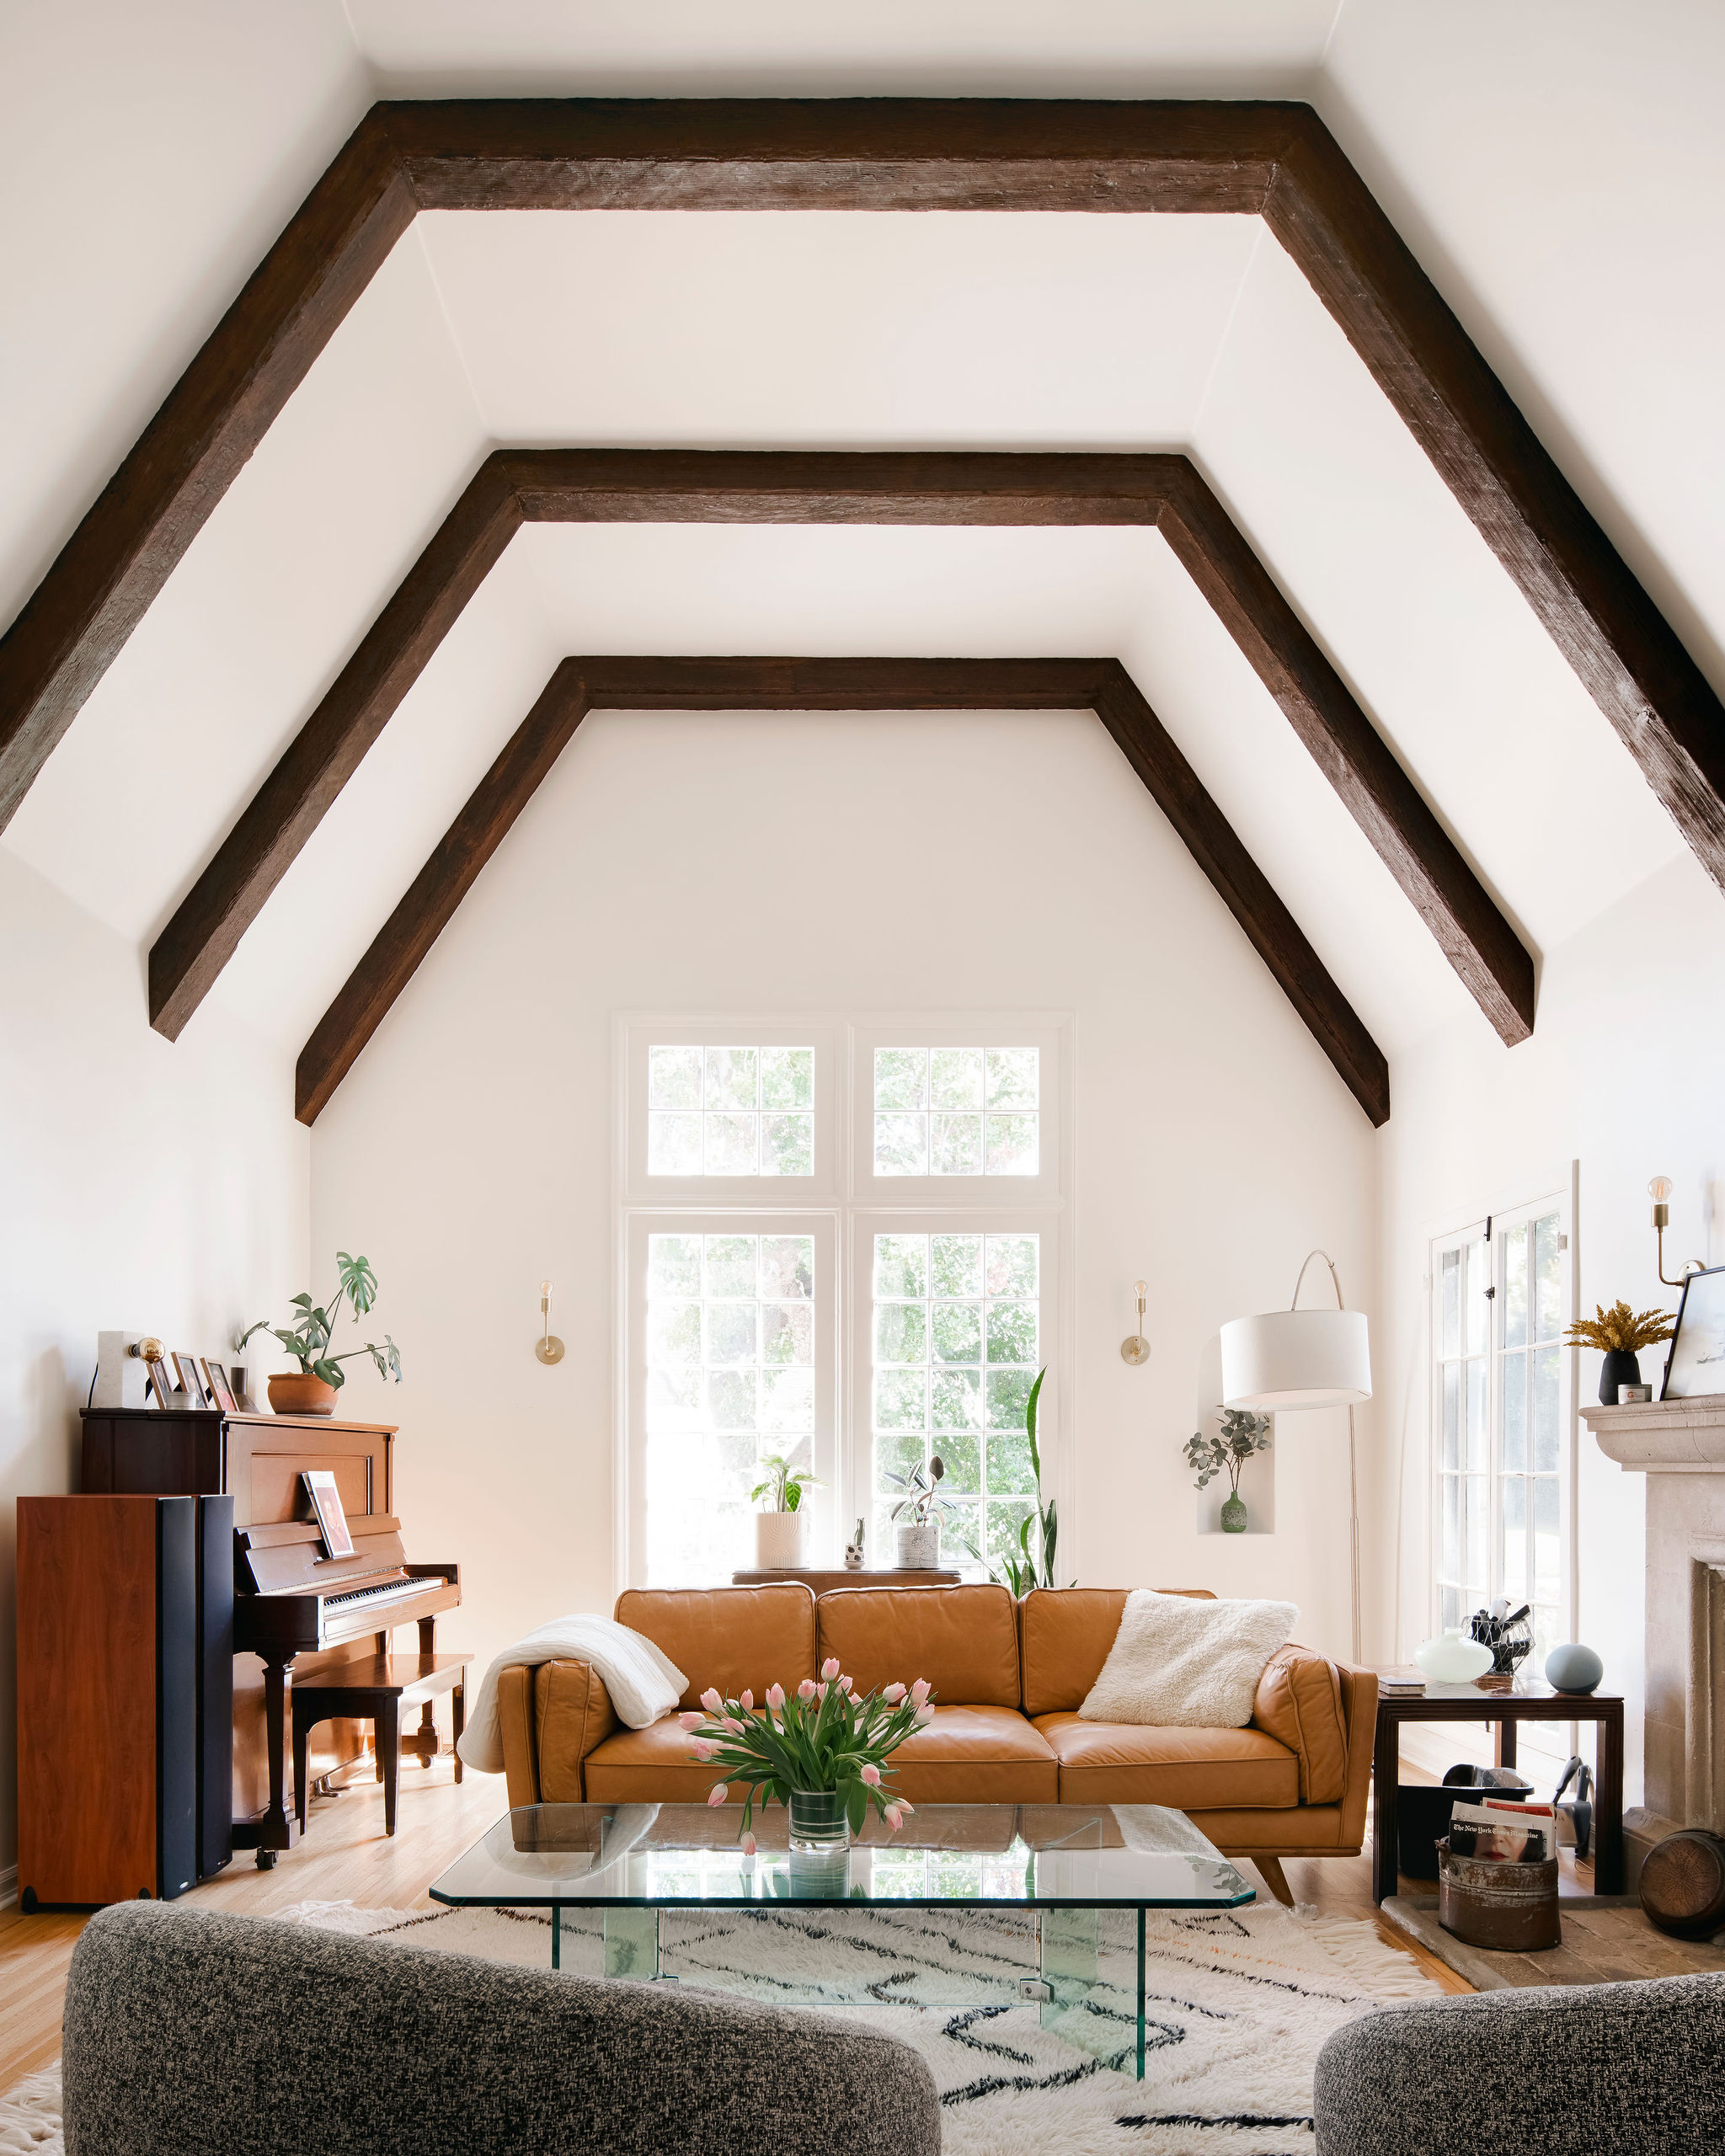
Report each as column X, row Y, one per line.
column 970, row 1855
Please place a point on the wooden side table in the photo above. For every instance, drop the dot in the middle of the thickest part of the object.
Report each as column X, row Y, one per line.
column 1524, row 1700
column 824, row 1582
column 381, row 1690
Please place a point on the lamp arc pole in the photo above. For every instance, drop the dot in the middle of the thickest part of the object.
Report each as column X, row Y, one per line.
column 1353, row 1459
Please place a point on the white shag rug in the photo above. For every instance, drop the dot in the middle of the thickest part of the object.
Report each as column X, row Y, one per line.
column 1238, row 2005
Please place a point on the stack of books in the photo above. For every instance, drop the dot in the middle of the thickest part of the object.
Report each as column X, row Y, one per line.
column 1401, row 1684
column 1496, row 1830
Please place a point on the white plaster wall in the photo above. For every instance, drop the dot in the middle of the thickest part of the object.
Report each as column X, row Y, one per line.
column 866, row 863
column 160, row 1188
column 1622, row 1076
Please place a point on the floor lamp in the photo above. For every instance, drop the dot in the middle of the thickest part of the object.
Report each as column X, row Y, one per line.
column 1287, row 1360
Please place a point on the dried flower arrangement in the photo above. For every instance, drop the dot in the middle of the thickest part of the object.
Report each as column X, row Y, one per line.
column 1620, row 1331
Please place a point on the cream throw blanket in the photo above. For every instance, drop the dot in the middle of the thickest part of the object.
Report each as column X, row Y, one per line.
column 645, row 1684
column 1178, row 1662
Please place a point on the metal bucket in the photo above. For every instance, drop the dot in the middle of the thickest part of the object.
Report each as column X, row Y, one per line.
column 1508, row 1909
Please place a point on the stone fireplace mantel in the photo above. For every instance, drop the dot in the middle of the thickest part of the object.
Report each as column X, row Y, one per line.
column 1680, row 1446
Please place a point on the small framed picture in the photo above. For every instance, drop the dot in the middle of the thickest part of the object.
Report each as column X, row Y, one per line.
column 1696, row 1363
column 185, row 1373
column 216, row 1386
column 161, row 1380
column 326, row 1502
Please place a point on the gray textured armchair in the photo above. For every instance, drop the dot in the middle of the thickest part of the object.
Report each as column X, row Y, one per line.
column 188, row 2033
column 1579, row 2070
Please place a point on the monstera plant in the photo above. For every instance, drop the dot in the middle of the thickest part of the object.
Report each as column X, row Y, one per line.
column 312, row 1336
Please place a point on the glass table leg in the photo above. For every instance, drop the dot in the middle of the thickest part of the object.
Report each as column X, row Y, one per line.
column 632, row 1942
column 1141, row 1994
column 1070, row 1941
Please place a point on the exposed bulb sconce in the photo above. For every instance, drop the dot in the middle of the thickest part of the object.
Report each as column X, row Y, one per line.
column 548, row 1347
column 1136, row 1350
column 1659, row 1190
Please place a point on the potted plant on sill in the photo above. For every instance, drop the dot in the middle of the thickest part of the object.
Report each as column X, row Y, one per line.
column 916, row 1516
column 312, row 1389
column 1622, row 1333
column 1242, row 1434
column 822, row 1752
column 778, row 1526
column 1017, row 1570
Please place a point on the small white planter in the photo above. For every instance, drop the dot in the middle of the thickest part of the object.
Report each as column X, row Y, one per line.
column 919, row 1547
column 778, row 1542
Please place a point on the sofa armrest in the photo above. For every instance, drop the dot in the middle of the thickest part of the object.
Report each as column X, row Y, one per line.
column 1359, row 1703
column 572, row 1717
column 1302, row 1702
column 514, row 1722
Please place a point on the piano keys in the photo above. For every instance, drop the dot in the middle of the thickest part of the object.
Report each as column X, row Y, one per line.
column 290, row 1601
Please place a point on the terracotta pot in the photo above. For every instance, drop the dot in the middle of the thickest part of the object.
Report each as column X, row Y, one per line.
column 294, row 1392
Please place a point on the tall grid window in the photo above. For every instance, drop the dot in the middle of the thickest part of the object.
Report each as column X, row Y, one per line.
column 730, row 1376
column 957, row 1320
column 730, row 1111
column 957, row 1111
column 1499, row 1413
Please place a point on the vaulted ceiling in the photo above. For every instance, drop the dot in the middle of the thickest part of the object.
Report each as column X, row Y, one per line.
column 1201, row 334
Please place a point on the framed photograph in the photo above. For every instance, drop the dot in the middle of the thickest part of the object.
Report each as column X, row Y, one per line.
column 161, row 1380
column 185, row 1375
column 1696, row 1363
column 216, row 1384
column 326, row 1502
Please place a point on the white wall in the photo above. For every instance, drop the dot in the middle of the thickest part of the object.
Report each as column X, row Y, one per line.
column 837, row 863
column 163, row 1189
column 1622, row 1076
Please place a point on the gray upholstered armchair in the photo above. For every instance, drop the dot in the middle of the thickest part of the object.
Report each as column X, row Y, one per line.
column 189, row 2034
column 1579, row 2070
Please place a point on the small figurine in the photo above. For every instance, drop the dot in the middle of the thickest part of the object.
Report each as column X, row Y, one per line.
column 853, row 1551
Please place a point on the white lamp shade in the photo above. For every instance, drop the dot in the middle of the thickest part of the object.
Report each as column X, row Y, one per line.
column 1290, row 1359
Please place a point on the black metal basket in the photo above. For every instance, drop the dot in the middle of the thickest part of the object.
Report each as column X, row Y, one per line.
column 1510, row 1639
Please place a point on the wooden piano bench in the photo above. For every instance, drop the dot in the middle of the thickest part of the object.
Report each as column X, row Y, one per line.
column 381, row 1690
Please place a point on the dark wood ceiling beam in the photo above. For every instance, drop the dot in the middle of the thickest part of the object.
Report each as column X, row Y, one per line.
column 1493, row 964
column 251, row 860
column 1276, row 160
column 123, row 552
column 745, row 684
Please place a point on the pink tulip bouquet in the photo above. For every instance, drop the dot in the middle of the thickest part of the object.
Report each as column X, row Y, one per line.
column 824, row 1737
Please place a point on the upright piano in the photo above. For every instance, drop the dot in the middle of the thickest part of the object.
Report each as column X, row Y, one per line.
column 295, row 1610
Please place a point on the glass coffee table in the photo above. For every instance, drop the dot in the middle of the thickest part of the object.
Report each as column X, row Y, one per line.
column 1071, row 1873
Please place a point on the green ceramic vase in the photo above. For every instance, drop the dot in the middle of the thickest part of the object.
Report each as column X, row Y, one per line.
column 1234, row 1514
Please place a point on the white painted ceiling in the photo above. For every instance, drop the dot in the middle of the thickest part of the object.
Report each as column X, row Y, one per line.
column 1531, row 185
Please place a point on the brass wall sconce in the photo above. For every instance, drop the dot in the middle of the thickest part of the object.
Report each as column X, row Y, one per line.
column 1136, row 1350
column 548, row 1347
column 1659, row 1190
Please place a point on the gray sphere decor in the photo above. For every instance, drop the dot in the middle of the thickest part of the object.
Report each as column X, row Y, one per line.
column 1573, row 1669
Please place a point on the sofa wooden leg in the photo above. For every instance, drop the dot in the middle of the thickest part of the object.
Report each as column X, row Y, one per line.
column 1270, row 1869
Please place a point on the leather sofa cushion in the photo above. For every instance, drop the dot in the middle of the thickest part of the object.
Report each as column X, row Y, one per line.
column 1122, row 1763
column 738, row 1638
column 650, row 1766
column 976, row 1755
column 1299, row 1701
column 1065, row 1634
column 572, row 1713
column 964, row 1640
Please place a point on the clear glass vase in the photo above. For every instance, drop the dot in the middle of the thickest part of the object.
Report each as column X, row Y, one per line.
column 819, row 1827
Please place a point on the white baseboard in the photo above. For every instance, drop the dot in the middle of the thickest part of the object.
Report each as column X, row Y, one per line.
column 8, row 1887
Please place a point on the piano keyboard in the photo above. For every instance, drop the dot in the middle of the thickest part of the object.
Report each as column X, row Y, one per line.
column 370, row 1597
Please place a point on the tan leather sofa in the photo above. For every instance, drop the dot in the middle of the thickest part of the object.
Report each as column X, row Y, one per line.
column 1008, row 1679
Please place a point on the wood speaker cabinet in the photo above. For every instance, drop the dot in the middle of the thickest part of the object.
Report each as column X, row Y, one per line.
column 124, row 1695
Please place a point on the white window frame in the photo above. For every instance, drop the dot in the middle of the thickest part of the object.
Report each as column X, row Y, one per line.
column 843, row 1201
column 1046, row 1223
column 1554, row 1193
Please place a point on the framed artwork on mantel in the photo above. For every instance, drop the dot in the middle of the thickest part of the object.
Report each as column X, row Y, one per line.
column 1695, row 1366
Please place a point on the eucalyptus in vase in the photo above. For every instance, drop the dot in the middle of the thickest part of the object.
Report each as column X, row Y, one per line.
column 1242, row 1433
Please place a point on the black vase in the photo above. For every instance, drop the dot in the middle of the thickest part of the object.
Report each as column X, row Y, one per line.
column 1621, row 1368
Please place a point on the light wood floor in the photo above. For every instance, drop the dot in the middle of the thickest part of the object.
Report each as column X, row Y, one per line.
column 347, row 1857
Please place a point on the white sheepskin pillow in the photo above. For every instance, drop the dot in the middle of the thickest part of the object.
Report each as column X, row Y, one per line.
column 1178, row 1662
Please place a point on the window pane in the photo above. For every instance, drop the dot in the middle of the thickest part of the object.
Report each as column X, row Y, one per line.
column 730, row 1347
column 957, row 1112
column 1450, row 1606
column 1547, row 1549
column 1513, row 1552
column 1479, row 1437
column 1475, row 1503
column 955, row 1327
column 955, row 1144
column 703, row 1107
column 1515, row 1369
column 1515, row 1289
column 955, row 1078
column 1450, row 1558
column 902, row 1144
column 1479, row 1308
column 1548, row 1318
column 1450, row 1329
column 1012, row 1145
column 900, row 1078
column 1450, row 1454
column 1014, row 1077
column 1544, row 1410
